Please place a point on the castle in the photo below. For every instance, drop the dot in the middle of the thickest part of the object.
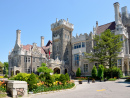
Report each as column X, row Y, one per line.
column 65, row 53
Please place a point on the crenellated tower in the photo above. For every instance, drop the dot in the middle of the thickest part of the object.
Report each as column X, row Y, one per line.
column 126, row 21
column 61, row 39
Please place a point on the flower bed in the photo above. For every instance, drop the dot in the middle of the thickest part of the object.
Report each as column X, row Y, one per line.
column 127, row 80
column 2, row 89
column 56, row 86
column 112, row 79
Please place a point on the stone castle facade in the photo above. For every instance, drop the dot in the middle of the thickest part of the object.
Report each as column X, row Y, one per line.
column 65, row 53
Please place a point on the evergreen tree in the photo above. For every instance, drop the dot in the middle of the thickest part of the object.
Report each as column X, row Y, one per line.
column 94, row 72
column 78, row 72
column 67, row 77
column 101, row 71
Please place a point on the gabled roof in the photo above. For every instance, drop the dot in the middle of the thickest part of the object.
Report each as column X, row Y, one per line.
column 27, row 48
column 104, row 27
column 49, row 42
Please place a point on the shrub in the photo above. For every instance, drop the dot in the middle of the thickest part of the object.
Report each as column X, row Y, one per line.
column 62, row 79
column 112, row 79
column 22, row 77
column 32, row 81
column 78, row 72
column 94, row 72
column 67, row 77
column 101, row 71
column 113, row 72
column 56, row 77
column 48, row 79
column 5, row 76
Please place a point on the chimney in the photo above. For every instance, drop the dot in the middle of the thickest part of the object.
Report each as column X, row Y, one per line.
column 42, row 41
column 124, row 11
column 117, row 17
column 18, row 41
column 96, row 23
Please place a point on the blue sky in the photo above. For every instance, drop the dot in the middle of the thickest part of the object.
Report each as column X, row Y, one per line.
column 34, row 18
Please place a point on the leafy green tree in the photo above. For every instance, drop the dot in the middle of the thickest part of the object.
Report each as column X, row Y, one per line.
column 94, row 72
column 32, row 81
column 78, row 72
column 1, row 64
column 106, row 48
column 101, row 71
column 6, row 65
column 44, row 69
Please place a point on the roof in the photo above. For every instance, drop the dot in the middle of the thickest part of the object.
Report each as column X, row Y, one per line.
column 49, row 42
column 102, row 28
column 27, row 47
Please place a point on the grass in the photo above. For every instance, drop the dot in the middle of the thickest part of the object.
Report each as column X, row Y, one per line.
column 2, row 94
column 112, row 79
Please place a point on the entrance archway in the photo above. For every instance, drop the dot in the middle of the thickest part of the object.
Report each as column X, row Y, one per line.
column 17, row 71
column 65, row 71
column 56, row 70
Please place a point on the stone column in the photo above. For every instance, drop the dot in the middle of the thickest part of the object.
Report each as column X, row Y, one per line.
column 127, row 66
column 123, row 66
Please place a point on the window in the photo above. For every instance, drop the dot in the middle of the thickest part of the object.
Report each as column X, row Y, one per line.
column 25, row 59
column 29, row 70
column 33, row 59
column 65, row 36
column 57, row 48
column 39, row 59
column 119, row 62
column 85, row 67
column 83, row 54
column 78, row 45
column 76, row 59
column 74, row 46
column 28, row 59
column 83, row 44
column 96, row 65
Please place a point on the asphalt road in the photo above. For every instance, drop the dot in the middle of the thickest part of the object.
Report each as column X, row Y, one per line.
column 109, row 89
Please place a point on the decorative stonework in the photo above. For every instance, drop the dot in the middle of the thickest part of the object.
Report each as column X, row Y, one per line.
column 20, row 91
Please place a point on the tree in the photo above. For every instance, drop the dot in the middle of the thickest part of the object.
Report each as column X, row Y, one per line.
column 44, row 69
column 1, row 64
column 67, row 77
column 78, row 72
column 49, row 80
column 32, row 81
column 94, row 72
column 101, row 71
column 106, row 49
column 62, row 79
column 6, row 65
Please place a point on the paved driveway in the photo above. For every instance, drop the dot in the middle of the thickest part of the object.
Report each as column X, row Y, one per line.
column 109, row 89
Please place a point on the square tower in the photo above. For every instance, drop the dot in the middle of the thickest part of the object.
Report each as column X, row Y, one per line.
column 61, row 39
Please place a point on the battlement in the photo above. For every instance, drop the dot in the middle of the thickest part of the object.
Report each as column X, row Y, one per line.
column 62, row 22
column 81, row 37
column 125, row 12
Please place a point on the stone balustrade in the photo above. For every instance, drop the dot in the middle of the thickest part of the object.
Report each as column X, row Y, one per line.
column 16, row 88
